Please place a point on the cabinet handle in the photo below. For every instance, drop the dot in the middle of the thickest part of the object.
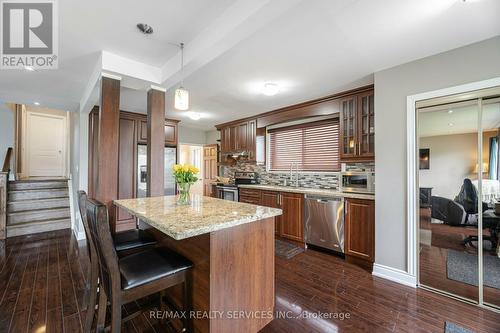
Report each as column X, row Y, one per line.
column 359, row 148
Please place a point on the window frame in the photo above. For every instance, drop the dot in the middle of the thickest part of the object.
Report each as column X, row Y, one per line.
column 302, row 123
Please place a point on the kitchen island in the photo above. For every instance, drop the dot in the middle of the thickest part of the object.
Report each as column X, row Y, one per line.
column 232, row 247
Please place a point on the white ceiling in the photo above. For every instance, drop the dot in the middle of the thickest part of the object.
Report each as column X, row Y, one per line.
column 310, row 48
column 460, row 120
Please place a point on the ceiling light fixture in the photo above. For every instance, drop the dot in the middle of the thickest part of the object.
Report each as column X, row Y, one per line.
column 194, row 115
column 270, row 89
column 450, row 124
column 36, row 103
column 145, row 29
column 450, row 111
column 181, row 100
column 29, row 68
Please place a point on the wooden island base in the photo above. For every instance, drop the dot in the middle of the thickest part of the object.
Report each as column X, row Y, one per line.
column 233, row 271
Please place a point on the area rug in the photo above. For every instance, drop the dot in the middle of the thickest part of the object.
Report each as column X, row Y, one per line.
column 286, row 250
column 454, row 328
column 461, row 266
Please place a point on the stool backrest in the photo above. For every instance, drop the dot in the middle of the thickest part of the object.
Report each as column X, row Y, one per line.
column 97, row 215
column 82, row 206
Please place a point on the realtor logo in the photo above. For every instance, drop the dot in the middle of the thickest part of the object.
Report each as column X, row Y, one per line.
column 28, row 34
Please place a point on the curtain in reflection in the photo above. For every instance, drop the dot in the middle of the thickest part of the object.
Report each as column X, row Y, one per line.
column 493, row 163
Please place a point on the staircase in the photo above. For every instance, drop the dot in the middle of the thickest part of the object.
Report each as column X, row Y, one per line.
column 37, row 206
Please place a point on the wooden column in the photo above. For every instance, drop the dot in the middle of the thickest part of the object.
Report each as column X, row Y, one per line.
column 107, row 156
column 156, row 141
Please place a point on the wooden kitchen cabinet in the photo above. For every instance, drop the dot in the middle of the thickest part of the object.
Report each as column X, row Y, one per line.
column 170, row 132
column 357, row 127
column 360, row 231
column 132, row 131
column 292, row 226
column 251, row 196
column 239, row 137
column 271, row 199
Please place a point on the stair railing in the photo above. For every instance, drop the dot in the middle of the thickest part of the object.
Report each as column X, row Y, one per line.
column 4, row 180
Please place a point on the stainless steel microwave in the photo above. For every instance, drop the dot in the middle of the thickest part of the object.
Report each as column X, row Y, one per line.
column 358, row 182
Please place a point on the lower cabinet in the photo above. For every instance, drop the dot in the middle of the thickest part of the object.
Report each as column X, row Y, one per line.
column 360, row 231
column 290, row 225
column 251, row 196
column 271, row 199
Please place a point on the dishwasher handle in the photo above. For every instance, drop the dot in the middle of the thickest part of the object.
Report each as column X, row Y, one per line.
column 324, row 200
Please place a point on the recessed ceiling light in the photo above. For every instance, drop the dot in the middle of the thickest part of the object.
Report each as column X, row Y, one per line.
column 36, row 103
column 450, row 124
column 450, row 111
column 194, row 115
column 29, row 68
column 270, row 89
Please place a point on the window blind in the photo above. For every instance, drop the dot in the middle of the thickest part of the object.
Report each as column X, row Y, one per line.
column 314, row 146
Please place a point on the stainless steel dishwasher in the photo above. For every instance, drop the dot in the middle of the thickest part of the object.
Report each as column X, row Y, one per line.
column 324, row 222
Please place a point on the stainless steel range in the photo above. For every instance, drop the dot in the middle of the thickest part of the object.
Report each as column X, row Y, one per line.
column 231, row 191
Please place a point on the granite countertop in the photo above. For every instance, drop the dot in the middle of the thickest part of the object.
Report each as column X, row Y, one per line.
column 203, row 215
column 312, row 191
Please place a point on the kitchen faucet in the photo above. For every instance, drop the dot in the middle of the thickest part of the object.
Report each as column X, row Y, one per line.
column 296, row 174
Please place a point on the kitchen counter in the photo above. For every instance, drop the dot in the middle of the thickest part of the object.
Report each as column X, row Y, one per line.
column 231, row 245
column 203, row 215
column 311, row 191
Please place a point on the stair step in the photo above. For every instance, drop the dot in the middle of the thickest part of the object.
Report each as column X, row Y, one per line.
column 36, row 185
column 37, row 194
column 36, row 227
column 28, row 205
column 37, row 215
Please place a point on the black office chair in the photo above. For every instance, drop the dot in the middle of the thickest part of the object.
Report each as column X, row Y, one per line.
column 461, row 211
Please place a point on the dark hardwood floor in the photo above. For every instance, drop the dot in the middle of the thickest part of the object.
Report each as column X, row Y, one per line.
column 42, row 289
column 433, row 259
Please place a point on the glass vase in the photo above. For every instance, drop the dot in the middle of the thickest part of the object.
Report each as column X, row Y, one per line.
column 183, row 198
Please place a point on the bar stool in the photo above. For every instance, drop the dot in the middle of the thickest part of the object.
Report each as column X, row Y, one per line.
column 134, row 276
column 124, row 242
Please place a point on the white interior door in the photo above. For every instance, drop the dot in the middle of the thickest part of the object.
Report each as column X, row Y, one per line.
column 46, row 136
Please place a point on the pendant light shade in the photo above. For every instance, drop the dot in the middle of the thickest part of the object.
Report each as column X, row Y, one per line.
column 181, row 100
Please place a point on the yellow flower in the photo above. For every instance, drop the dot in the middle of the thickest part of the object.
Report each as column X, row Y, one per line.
column 177, row 167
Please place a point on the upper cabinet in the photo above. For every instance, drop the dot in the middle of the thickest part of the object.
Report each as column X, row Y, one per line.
column 356, row 111
column 239, row 138
column 357, row 127
column 170, row 131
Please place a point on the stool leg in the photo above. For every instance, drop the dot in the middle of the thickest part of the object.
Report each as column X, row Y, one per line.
column 92, row 296
column 188, row 304
column 101, row 310
column 116, row 314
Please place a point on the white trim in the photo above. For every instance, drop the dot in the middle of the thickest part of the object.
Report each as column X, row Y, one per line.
column 71, row 205
column 111, row 76
column 411, row 159
column 395, row 275
column 153, row 87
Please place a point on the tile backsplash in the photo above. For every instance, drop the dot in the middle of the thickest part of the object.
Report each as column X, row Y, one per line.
column 307, row 180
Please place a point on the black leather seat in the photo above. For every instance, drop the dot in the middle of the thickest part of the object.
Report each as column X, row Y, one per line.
column 132, row 239
column 149, row 265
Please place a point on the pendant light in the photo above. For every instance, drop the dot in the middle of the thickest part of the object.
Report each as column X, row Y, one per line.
column 181, row 94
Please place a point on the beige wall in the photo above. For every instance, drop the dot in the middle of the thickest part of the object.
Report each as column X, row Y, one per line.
column 452, row 158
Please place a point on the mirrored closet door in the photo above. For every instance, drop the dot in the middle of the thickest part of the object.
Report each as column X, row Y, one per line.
column 459, row 190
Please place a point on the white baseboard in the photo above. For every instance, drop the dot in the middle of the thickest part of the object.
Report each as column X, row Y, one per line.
column 395, row 275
